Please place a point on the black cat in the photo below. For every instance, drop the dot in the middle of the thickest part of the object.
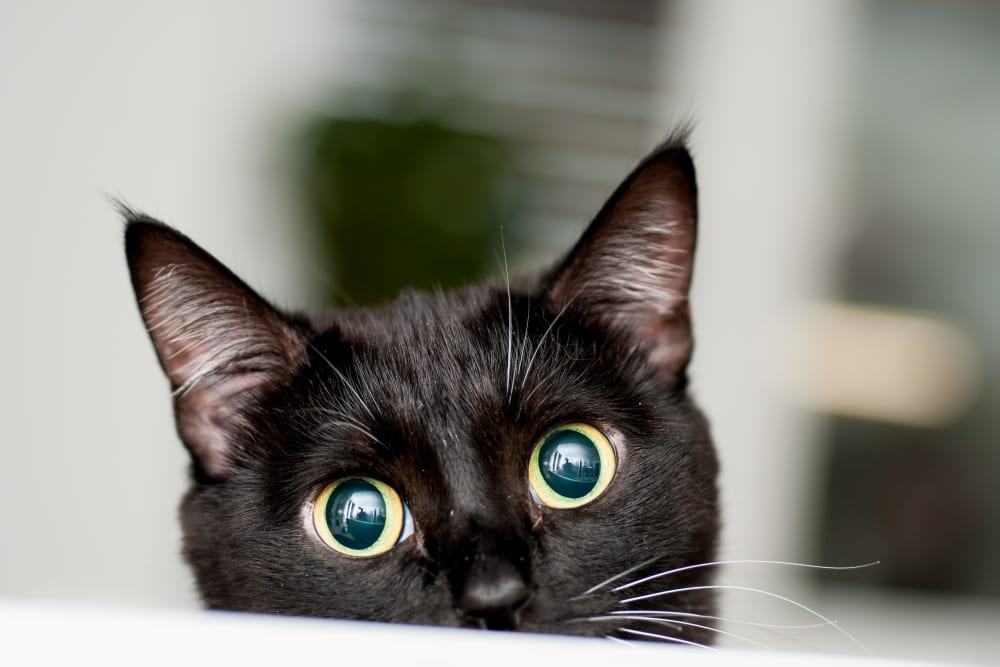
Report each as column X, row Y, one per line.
column 513, row 456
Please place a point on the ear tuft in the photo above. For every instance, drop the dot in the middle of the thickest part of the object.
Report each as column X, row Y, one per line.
column 219, row 343
column 631, row 270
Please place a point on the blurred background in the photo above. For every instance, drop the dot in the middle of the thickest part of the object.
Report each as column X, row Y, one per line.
column 845, row 299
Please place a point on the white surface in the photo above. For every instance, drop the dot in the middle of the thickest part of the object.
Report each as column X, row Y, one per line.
column 49, row 635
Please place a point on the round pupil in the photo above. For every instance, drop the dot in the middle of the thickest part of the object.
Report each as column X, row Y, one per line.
column 570, row 463
column 355, row 514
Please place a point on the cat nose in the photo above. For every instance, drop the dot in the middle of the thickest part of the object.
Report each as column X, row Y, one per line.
column 494, row 595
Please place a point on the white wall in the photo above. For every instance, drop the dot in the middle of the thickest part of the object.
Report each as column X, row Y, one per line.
column 765, row 83
column 170, row 106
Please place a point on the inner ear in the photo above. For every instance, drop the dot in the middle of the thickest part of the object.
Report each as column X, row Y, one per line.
column 220, row 344
column 631, row 269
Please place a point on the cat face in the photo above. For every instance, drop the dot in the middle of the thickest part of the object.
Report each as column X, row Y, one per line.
column 503, row 456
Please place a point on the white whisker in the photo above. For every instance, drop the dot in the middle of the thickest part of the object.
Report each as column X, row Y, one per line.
column 689, row 614
column 333, row 417
column 541, row 341
column 343, row 378
column 624, row 573
column 750, row 590
column 676, row 570
column 351, row 424
column 538, row 385
column 687, row 624
column 603, row 619
column 667, row 638
column 524, row 339
column 510, row 317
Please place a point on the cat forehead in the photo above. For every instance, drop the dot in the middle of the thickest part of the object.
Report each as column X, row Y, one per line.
column 418, row 351
column 423, row 327
column 462, row 360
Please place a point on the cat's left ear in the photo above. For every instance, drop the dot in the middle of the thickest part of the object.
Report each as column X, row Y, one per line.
column 631, row 270
column 220, row 343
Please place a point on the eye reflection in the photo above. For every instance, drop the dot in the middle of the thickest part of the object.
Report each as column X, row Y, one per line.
column 355, row 514
column 570, row 463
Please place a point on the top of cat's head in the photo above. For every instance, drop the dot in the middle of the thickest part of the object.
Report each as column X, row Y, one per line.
column 439, row 404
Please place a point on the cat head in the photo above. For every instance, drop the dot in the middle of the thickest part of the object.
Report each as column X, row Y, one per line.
column 502, row 456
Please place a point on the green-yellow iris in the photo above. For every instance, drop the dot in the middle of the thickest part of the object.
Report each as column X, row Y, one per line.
column 571, row 466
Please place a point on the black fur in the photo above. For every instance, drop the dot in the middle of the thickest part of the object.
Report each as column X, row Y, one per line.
column 452, row 430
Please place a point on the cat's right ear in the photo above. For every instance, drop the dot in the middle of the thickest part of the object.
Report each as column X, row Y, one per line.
column 220, row 344
column 631, row 270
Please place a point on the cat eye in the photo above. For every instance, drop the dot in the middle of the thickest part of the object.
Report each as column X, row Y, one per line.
column 571, row 466
column 361, row 516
